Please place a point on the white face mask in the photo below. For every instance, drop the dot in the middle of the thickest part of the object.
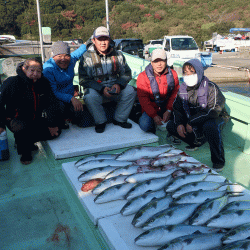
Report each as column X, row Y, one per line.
column 191, row 80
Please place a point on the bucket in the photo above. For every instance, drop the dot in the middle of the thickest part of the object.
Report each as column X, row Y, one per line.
column 4, row 149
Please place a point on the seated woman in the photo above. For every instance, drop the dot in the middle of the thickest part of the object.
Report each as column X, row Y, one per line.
column 28, row 108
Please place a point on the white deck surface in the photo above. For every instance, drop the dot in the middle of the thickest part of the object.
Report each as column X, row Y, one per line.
column 77, row 141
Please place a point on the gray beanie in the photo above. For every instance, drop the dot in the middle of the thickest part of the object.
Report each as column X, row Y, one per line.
column 60, row 47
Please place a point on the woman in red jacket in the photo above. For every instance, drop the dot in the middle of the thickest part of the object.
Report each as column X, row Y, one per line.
column 157, row 88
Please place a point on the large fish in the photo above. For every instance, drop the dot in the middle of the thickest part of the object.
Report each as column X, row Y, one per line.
column 201, row 185
column 95, row 173
column 171, row 216
column 237, row 205
column 207, row 210
column 238, row 245
column 151, row 208
column 133, row 205
column 184, row 179
column 143, row 176
column 102, row 163
column 159, row 236
column 195, row 241
column 95, row 157
column 148, row 185
column 230, row 219
column 172, row 152
column 109, row 183
column 113, row 193
column 136, row 153
column 161, row 161
column 238, row 233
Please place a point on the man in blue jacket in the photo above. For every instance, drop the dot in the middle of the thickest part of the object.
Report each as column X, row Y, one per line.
column 59, row 70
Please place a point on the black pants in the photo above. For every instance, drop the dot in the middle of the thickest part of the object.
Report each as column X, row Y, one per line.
column 27, row 133
column 210, row 131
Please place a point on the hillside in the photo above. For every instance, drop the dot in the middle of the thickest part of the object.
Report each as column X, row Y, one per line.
column 146, row 19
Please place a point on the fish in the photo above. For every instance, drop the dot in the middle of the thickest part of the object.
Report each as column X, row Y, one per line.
column 159, row 236
column 238, row 245
column 230, row 218
column 113, row 193
column 237, row 205
column 109, row 183
column 137, row 153
column 171, row 216
column 184, row 164
column 200, row 196
column 184, row 179
column 158, row 162
column 241, row 232
column 133, row 205
column 143, row 161
column 143, row 176
column 195, row 241
column 102, row 163
column 95, row 173
column 89, row 185
column 152, row 184
column 151, row 208
column 207, row 210
column 172, row 152
column 95, row 157
column 127, row 170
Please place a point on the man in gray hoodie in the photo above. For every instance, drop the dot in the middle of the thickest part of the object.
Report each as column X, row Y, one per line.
column 199, row 113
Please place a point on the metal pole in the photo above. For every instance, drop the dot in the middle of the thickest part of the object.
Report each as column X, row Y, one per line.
column 107, row 14
column 40, row 29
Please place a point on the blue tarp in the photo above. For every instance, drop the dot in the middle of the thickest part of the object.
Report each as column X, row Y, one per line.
column 239, row 29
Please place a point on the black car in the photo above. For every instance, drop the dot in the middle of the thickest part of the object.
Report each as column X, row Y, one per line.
column 131, row 46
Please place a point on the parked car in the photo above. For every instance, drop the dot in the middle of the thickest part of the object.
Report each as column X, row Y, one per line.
column 131, row 46
column 153, row 44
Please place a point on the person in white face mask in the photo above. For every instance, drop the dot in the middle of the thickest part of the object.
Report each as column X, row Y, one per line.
column 199, row 113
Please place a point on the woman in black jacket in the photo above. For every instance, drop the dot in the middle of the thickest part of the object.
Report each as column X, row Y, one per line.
column 29, row 108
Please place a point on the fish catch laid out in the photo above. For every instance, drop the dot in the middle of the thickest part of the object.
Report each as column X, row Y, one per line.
column 96, row 157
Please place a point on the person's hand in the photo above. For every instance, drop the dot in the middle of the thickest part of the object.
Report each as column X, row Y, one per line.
column 1, row 130
column 166, row 116
column 189, row 128
column 181, row 131
column 106, row 92
column 77, row 104
column 117, row 87
column 54, row 131
column 158, row 120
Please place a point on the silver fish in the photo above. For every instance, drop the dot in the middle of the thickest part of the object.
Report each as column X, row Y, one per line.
column 113, row 193
column 158, row 162
column 127, row 170
column 230, row 219
column 151, row 208
column 207, row 210
column 153, row 185
column 200, row 196
column 184, row 179
column 95, row 173
column 95, row 157
column 237, row 205
column 171, row 216
column 143, row 161
column 238, row 233
column 136, row 153
column 195, row 241
column 195, row 186
column 133, row 205
column 189, row 164
column 238, row 245
column 103, row 163
column 172, row 152
column 143, row 176
column 159, row 236
column 109, row 183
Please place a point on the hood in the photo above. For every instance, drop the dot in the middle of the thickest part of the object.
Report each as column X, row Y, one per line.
column 196, row 63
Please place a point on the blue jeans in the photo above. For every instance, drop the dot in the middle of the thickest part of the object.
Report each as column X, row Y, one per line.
column 146, row 123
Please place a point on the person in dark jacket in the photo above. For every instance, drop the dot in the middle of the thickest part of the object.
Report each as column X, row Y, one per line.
column 199, row 113
column 29, row 108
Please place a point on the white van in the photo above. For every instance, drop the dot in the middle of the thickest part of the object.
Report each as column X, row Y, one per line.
column 180, row 48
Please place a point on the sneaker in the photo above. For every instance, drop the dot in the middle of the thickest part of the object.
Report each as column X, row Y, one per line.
column 191, row 148
column 122, row 124
column 173, row 139
column 100, row 128
column 217, row 167
column 26, row 158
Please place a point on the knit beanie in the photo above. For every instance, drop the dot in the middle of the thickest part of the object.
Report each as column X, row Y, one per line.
column 60, row 47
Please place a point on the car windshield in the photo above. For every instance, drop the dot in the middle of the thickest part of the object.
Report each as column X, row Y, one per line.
column 184, row 44
column 156, row 42
column 134, row 43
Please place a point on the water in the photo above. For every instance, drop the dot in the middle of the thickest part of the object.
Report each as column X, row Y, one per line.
column 242, row 88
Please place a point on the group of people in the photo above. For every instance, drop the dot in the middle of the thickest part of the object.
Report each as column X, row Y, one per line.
column 35, row 102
